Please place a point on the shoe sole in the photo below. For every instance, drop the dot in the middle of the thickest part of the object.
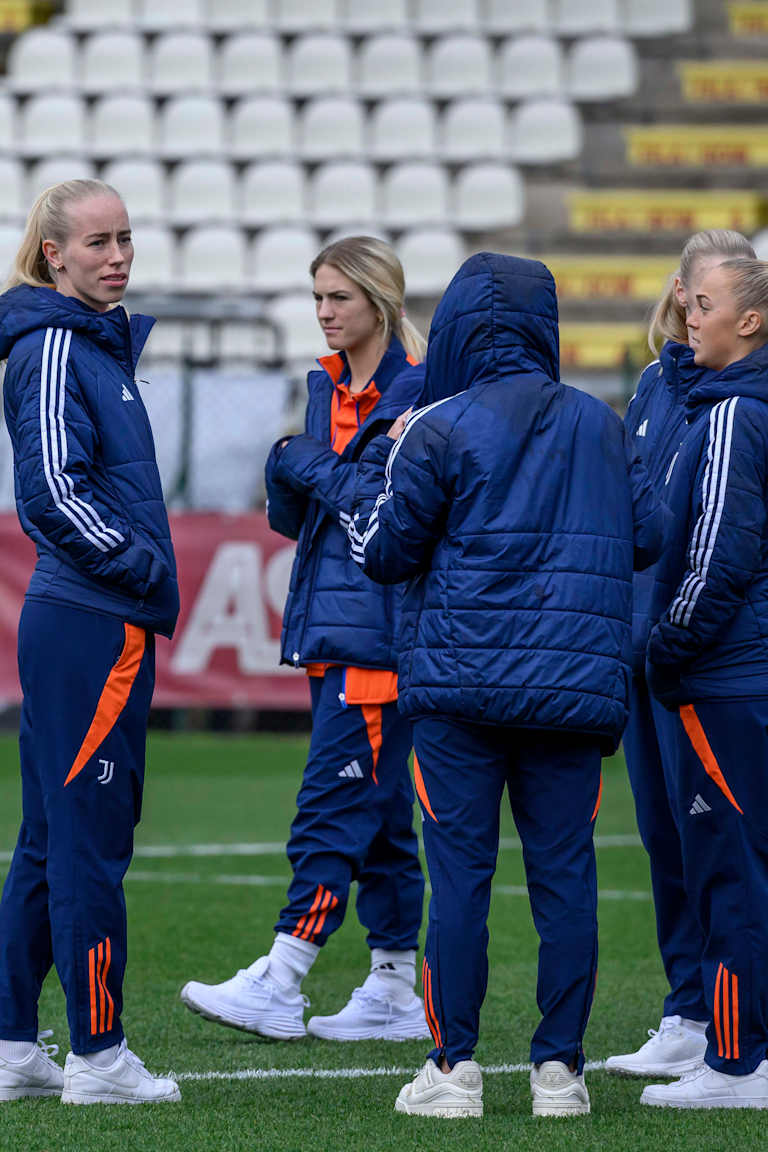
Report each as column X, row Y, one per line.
column 671, row 1070
column 544, row 1108
column 443, row 1111
column 271, row 1033
column 69, row 1097
column 399, row 1035
column 8, row 1094
column 701, row 1105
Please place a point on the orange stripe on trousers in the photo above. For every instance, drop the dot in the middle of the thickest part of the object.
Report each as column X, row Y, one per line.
column 421, row 788
column 300, row 926
column 727, row 1012
column 425, row 990
column 593, row 817
column 102, row 997
column 698, row 738
column 434, row 1026
column 735, row 1010
column 718, row 1031
column 310, row 928
column 110, row 1001
column 113, row 699
column 92, row 988
column 373, row 724
column 323, row 913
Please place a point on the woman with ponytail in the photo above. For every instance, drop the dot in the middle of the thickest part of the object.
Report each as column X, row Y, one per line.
column 355, row 805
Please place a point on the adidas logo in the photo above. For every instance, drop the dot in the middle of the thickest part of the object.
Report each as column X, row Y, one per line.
column 699, row 805
column 353, row 771
column 126, row 394
column 643, row 429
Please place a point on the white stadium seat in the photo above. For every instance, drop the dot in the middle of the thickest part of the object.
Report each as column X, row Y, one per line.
column 430, row 257
column 89, row 15
column 162, row 393
column 50, row 124
column 10, row 239
column 331, row 126
column 402, row 129
column 545, row 132
column 212, row 257
column 250, row 62
column 459, row 66
column 191, row 126
column 389, row 65
column 13, row 206
column 656, row 17
column 760, row 244
column 41, row 59
column 159, row 15
column 473, row 129
column 432, row 17
column 141, row 184
column 56, row 170
column 122, row 126
column 318, row 64
column 300, row 335
column 180, row 62
column 8, row 127
column 414, row 194
column 530, row 66
column 488, row 196
column 111, row 62
column 272, row 193
column 341, row 192
column 155, row 261
column 237, row 15
column 261, row 126
column 577, row 17
column 601, row 68
column 202, row 191
column 505, row 16
column 279, row 259
column 297, row 16
column 361, row 19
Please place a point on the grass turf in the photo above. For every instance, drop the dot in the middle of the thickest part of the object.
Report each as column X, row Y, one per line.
column 192, row 917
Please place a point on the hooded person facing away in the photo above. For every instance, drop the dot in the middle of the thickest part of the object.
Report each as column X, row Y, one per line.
column 515, row 508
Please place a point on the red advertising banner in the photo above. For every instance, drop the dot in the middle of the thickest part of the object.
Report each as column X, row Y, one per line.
column 233, row 576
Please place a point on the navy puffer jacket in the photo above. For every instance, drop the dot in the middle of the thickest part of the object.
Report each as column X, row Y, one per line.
column 512, row 504
column 88, row 491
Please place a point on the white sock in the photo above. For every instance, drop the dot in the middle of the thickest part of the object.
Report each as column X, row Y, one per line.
column 17, row 1050
column 397, row 970
column 290, row 959
column 103, row 1058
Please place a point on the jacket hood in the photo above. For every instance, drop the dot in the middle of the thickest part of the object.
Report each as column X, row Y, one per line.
column 26, row 309
column 745, row 377
column 497, row 318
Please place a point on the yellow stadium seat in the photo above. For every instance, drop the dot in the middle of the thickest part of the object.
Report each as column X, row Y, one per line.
column 686, row 210
column 601, row 346
column 624, row 277
column 724, row 81
column 697, row 146
column 748, row 19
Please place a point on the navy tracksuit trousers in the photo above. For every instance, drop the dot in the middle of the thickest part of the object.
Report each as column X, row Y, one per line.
column 553, row 780
column 87, row 680
column 722, row 795
column 355, row 822
column 650, row 743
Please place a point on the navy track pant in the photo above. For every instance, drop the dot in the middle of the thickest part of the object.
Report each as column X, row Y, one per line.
column 722, row 792
column 650, row 749
column 87, row 680
column 355, row 822
column 553, row 780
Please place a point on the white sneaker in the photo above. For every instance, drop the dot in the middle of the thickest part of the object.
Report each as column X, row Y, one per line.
column 250, row 1001
column 125, row 1081
column 676, row 1048
column 372, row 1014
column 37, row 1075
column 557, row 1091
column 706, row 1088
column 447, row 1094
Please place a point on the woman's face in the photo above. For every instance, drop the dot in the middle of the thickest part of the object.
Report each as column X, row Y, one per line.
column 345, row 314
column 94, row 262
column 718, row 332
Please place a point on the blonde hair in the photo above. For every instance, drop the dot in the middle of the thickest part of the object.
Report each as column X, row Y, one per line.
column 49, row 220
column 374, row 267
column 749, row 282
column 668, row 320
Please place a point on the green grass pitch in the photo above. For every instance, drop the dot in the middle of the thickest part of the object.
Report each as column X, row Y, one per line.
column 202, row 915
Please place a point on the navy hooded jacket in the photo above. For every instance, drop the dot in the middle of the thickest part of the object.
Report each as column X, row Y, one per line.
column 711, row 594
column 512, row 504
column 88, row 490
column 333, row 613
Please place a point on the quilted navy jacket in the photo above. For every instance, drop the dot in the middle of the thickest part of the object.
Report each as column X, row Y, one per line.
column 88, row 490
column 333, row 613
column 711, row 595
column 514, row 506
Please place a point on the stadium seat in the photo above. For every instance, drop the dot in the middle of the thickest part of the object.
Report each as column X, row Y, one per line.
column 402, row 129
column 414, row 194
column 112, row 62
column 159, row 15
column 331, row 126
column 577, row 17
column 141, row 183
column 261, row 126
column 10, row 239
column 155, row 263
column 122, row 126
column 488, row 196
column 272, row 193
column 760, row 244
column 298, row 16
column 279, row 259
column 180, row 62
column 212, row 257
column 13, row 206
column 601, row 68
column 656, row 17
column 202, row 191
column 362, row 19
column 501, row 18
column 237, row 15
column 299, row 333
column 191, row 126
column 8, row 120
column 245, row 340
column 458, row 66
column 431, row 17
column 56, row 170
column 430, row 257
column 51, row 124
column 341, row 192
column 530, row 66
column 545, row 132
column 7, row 492
column 249, row 62
column 473, row 129
column 162, row 392
column 41, row 59
column 389, row 65
column 318, row 63
column 91, row 15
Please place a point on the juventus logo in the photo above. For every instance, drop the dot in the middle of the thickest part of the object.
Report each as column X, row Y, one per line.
column 108, row 767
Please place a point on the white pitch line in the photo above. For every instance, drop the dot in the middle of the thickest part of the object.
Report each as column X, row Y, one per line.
column 346, row 1073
